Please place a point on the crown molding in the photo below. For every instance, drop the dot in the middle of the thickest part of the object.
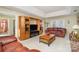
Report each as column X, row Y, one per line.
column 36, row 12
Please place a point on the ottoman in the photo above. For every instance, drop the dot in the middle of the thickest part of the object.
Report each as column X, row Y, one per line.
column 48, row 39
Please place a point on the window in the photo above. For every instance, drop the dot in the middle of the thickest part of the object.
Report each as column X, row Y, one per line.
column 58, row 23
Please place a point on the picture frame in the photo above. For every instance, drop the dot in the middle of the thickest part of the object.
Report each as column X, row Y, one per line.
column 3, row 26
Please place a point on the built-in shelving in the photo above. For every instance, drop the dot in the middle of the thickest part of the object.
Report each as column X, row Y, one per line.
column 24, row 27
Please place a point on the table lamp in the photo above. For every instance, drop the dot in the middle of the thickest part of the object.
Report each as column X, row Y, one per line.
column 76, row 29
column 76, row 32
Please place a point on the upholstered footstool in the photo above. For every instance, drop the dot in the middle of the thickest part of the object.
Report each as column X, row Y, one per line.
column 48, row 39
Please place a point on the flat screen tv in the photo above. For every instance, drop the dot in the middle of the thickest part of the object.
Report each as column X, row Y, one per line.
column 33, row 27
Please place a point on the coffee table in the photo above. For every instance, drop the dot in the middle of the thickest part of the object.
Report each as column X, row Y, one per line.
column 48, row 39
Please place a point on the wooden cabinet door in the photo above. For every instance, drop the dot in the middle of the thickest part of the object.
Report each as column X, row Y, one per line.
column 22, row 28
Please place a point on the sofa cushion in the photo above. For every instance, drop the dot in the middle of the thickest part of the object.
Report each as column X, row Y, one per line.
column 74, row 46
column 7, row 39
column 11, row 46
column 34, row 50
column 21, row 49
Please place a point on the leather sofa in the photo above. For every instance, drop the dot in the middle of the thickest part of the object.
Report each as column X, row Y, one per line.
column 11, row 44
column 59, row 32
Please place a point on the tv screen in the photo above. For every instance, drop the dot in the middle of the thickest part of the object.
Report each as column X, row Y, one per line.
column 33, row 27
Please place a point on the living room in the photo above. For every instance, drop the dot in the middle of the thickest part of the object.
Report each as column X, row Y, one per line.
column 48, row 30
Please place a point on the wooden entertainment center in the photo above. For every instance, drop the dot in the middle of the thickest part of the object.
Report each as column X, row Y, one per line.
column 29, row 27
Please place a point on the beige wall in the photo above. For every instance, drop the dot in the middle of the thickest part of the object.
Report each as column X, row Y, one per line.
column 16, row 14
column 11, row 13
column 10, row 24
column 69, row 21
column 71, row 18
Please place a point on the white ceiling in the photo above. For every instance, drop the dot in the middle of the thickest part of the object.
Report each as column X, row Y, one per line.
column 49, row 9
column 45, row 11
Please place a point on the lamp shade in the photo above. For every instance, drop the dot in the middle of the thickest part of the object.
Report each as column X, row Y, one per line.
column 76, row 27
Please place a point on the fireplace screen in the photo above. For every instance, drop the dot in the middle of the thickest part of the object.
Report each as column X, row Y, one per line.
column 3, row 26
